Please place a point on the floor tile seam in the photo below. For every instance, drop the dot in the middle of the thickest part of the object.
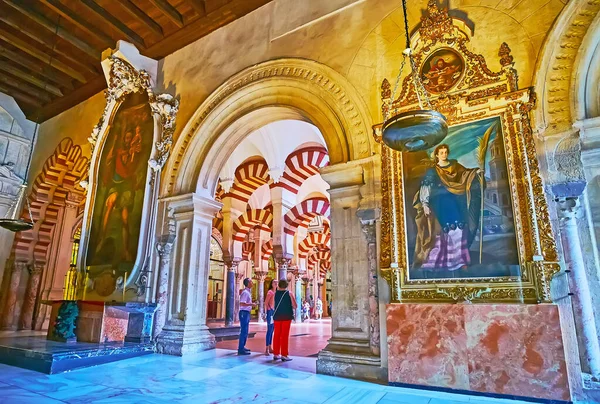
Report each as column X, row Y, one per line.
column 40, row 394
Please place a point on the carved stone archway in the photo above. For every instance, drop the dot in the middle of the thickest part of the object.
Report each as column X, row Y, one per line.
column 272, row 91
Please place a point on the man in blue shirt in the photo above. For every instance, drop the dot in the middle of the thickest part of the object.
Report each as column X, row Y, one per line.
column 245, row 307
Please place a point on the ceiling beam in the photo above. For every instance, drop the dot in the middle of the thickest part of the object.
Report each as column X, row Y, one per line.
column 38, row 54
column 26, row 88
column 59, row 105
column 53, row 27
column 20, row 96
column 139, row 15
column 199, row 6
column 78, row 20
column 37, row 67
column 48, row 41
column 107, row 17
column 30, row 78
column 169, row 11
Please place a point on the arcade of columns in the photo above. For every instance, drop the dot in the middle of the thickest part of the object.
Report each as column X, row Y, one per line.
column 266, row 212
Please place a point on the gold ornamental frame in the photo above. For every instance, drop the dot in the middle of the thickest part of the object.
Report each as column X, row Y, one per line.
column 479, row 94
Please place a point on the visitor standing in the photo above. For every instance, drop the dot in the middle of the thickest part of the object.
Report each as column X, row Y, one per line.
column 285, row 304
column 318, row 308
column 270, row 308
column 305, row 310
column 311, row 301
column 245, row 307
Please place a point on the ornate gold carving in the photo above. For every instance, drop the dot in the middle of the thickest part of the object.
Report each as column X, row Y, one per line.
column 464, row 293
column 124, row 79
column 481, row 94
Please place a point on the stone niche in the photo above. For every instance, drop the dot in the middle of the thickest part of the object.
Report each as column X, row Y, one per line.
column 507, row 349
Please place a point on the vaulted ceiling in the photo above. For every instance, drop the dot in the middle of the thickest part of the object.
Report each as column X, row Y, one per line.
column 50, row 49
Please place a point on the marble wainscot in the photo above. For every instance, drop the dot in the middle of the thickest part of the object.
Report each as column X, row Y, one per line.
column 114, row 321
column 510, row 350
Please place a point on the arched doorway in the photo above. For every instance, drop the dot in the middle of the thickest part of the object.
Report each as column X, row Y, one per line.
column 286, row 89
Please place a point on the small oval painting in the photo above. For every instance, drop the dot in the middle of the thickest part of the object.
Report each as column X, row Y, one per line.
column 442, row 70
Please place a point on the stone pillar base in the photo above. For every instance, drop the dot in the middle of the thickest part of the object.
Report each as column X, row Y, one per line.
column 352, row 359
column 182, row 340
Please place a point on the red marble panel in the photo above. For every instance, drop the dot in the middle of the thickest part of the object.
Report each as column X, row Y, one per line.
column 517, row 350
column 114, row 329
column 511, row 349
column 427, row 345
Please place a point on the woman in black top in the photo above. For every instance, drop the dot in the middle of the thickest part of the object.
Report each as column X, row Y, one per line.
column 285, row 305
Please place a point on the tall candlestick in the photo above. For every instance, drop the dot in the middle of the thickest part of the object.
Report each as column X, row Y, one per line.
column 124, row 285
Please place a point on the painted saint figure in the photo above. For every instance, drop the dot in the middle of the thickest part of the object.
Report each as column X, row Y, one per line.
column 448, row 208
column 122, row 181
column 441, row 76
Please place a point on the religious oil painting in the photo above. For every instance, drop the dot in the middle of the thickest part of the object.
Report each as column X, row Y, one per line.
column 120, row 187
column 442, row 70
column 459, row 214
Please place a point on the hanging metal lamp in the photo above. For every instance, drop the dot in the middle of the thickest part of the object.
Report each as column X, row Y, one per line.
column 413, row 130
column 12, row 219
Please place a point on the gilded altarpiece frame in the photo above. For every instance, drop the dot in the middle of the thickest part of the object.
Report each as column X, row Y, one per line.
column 125, row 81
column 471, row 95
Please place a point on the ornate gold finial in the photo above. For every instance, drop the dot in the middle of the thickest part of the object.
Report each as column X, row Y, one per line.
column 436, row 23
column 505, row 57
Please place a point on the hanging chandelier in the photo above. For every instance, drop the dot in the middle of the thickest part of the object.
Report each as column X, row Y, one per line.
column 413, row 130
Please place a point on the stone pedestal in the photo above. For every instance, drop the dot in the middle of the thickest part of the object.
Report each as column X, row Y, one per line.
column 509, row 349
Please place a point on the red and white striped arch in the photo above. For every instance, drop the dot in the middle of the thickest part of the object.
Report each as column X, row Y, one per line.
column 247, row 250
column 300, row 165
column 301, row 214
column 321, row 255
column 250, row 219
column 266, row 250
column 248, row 178
column 321, row 240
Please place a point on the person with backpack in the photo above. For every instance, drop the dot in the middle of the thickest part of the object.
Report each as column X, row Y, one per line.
column 285, row 305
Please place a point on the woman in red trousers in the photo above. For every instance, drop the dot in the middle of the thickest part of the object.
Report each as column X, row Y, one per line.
column 285, row 305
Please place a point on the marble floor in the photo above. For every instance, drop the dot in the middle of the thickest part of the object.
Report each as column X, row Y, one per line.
column 218, row 376
column 306, row 339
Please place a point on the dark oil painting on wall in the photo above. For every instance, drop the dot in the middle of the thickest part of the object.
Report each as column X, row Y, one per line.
column 442, row 70
column 120, row 187
column 459, row 215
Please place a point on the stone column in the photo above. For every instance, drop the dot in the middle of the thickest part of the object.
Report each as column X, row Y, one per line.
column 8, row 314
column 349, row 351
column 185, row 330
column 315, row 282
column 568, row 210
column 261, row 277
column 282, row 266
column 298, row 294
column 370, row 231
column 239, row 278
column 164, row 247
column 230, row 284
column 31, row 294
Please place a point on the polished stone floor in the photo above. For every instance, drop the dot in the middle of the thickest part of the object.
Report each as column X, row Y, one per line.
column 217, row 376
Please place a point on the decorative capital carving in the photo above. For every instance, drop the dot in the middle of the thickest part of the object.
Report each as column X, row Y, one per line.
column 19, row 266
column 568, row 208
column 35, row 269
column 261, row 276
column 370, row 231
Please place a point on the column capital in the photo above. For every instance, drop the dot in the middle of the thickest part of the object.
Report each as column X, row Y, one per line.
column 19, row 266
column 261, row 276
column 568, row 208
column 35, row 269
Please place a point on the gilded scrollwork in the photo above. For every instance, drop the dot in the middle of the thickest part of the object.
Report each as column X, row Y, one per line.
column 479, row 94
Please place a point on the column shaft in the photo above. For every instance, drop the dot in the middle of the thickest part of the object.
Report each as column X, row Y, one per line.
column 10, row 304
column 31, row 294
